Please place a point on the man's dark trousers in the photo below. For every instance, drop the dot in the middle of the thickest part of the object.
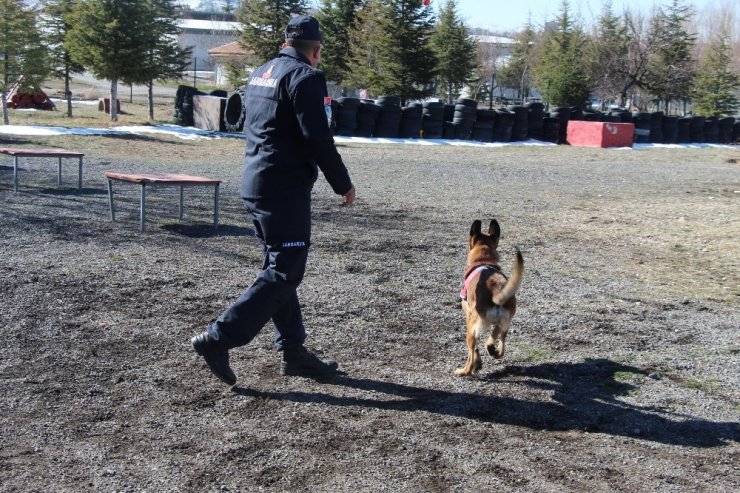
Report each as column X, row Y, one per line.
column 284, row 227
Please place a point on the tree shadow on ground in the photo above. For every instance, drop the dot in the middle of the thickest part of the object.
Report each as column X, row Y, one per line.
column 15, row 140
column 67, row 191
column 67, row 188
column 584, row 398
column 207, row 230
column 135, row 137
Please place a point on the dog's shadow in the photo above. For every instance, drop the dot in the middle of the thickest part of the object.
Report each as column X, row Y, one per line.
column 584, row 398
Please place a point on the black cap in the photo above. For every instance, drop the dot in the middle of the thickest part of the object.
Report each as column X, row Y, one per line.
column 303, row 27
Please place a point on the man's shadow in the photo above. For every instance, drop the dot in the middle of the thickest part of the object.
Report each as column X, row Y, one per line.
column 584, row 399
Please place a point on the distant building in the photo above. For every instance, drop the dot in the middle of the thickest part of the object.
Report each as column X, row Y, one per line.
column 229, row 54
column 494, row 53
column 204, row 35
column 498, row 46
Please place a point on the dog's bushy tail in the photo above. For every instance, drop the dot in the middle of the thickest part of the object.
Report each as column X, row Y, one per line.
column 512, row 285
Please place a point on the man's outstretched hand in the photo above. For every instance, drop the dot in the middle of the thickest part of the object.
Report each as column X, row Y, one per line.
column 349, row 198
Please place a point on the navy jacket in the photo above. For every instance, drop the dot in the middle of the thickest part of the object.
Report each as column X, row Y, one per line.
column 287, row 131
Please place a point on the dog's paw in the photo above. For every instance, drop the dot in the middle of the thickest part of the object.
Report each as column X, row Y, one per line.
column 495, row 348
column 463, row 372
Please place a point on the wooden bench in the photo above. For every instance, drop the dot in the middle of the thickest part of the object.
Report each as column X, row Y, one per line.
column 163, row 179
column 19, row 152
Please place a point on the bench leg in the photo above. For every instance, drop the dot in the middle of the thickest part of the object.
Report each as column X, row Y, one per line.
column 181, row 201
column 142, row 213
column 110, row 200
column 15, row 173
column 215, row 208
column 59, row 173
column 79, row 175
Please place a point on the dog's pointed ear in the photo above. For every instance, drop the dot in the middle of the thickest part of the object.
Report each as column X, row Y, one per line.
column 494, row 229
column 475, row 228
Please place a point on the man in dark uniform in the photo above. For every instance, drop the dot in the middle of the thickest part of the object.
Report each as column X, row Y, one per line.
column 288, row 141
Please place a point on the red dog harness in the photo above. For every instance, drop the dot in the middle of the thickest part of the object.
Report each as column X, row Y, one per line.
column 472, row 269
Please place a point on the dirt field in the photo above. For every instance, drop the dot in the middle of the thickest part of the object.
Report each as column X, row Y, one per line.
column 622, row 367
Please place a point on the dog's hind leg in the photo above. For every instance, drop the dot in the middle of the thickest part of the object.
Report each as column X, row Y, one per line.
column 496, row 343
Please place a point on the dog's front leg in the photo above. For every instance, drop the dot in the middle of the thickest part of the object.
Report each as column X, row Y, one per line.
column 474, row 363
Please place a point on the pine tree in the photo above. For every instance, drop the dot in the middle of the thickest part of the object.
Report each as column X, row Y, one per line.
column 717, row 84
column 22, row 56
column 163, row 58
column 263, row 25
column 671, row 69
column 228, row 7
column 108, row 37
column 364, row 45
column 391, row 51
column 561, row 74
column 337, row 17
column 56, row 23
column 455, row 50
column 607, row 54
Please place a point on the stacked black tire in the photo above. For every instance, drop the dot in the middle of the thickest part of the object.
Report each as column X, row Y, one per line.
column 448, row 128
column 551, row 129
column 346, row 116
column 696, row 130
column 535, row 120
column 411, row 117
column 660, row 128
column 592, row 116
column 483, row 126
column 711, row 130
column 520, row 128
column 334, row 112
column 642, row 127
column 576, row 113
column 183, row 113
column 432, row 119
column 563, row 114
column 502, row 129
column 464, row 118
column 234, row 113
column 725, row 130
column 684, row 130
column 388, row 123
column 670, row 129
column 656, row 127
column 367, row 114
column 621, row 116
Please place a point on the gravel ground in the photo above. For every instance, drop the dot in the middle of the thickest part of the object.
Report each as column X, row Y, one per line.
column 622, row 367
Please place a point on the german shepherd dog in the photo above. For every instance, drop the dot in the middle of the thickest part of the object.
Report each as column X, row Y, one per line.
column 488, row 296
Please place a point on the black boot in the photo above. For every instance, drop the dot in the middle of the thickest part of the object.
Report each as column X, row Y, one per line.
column 216, row 356
column 298, row 361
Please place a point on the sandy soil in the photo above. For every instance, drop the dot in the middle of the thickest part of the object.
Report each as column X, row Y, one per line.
column 622, row 366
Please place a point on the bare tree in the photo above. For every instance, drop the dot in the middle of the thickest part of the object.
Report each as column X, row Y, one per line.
column 490, row 55
column 517, row 72
column 638, row 56
column 713, row 18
